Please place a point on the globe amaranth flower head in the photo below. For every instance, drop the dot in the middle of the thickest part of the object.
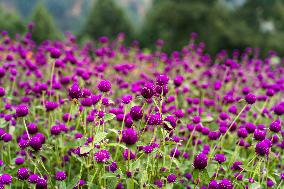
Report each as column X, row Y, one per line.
column 262, row 148
column 213, row 184
column 104, row 86
column 171, row 178
column 220, row 158
column 5, row 179
column 200, row 161
column 225, row 184
column 275, row 126
column 35, row 143
column 75, row 91
column 129, row 136
column 60, row 176
column 102, row 156
column 22, row 110
column 23, row 173
column 55, row 53
column 2, row 92
column 162, row 80
column 148, row 90
column 159, row 183
column 279, row 109
column 136, row 113
column 33, row 178
column 250, row 98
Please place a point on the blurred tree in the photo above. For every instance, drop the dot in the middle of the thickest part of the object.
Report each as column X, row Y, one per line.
column 107, row 19
column 174, row 20
column 44, row 26
column 11, row 22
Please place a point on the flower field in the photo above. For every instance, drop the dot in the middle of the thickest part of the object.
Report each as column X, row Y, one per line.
column 109, row 115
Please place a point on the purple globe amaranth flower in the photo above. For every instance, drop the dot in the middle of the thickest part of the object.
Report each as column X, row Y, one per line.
column 32, row 128
column 159, row 183
column 104, row 86
column 35, row 143
column 41, row 184
column 19, row 161
column 213, row 184
column 2, row 92
column 60, row 176
column 22, row 110
column 262, row 148
column 129, row 136
column 112, row 167
column 49, row 106
column 250, row 127
column 55, row 130
column 220, row 158
column 171, row 178
column 23, row 173
column 162, row 80
column 279, row 109
column 148, row 90
column 242, row 133
column 136, row 113
column 250, row 98
column 5, row 179
column 74, row 91
column 33, row 178
column 200, row 161
column 225, row 184
column 102, row 156
column 259, row 135
column 172, row 123
column 55, row 53
column 128, row 154
column 282, row 176
column 147, row 149
column 275, row 126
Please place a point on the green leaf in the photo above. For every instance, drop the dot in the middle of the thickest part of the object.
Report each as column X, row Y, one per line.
column 85, row 149
column 195, row 174
column 207, row 119
column 130, row 183
column 114, row 131
column 204, row 176
column 108, row 175
column 117, row 144
column 99, row 137
column 109, row 117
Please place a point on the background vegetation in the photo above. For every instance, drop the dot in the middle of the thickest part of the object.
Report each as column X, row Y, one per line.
column 222, row 24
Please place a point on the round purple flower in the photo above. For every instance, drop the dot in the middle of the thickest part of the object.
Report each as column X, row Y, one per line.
column 55, row 130
column 279, row 109
column 171, row 178
column 136, row 113
column 19, row 161
column 2, row 92
column 200, row 161
column 159, row 183
column 275, row 126
column 262, row 148
column 128, row 154
column 32, row 128
column 22, row 110
column 49, row 106
column 213, row 184
column 148, row 90
column 55, row 53
column 112, row 167
column 129, row 136
column 5, row 179
column 162, row 80
column 225, row 184
column 104, row 86
column 41, row 184
column 33, row 178
column 102, row 156
column 23, row 173
column 259, row 135
column 250, row 98
column 220, row 158
column 75, row 91
column 35, row 143
column 60, row 176
column 147, row 149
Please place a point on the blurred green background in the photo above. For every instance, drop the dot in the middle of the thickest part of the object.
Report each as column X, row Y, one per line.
column 221, row 24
